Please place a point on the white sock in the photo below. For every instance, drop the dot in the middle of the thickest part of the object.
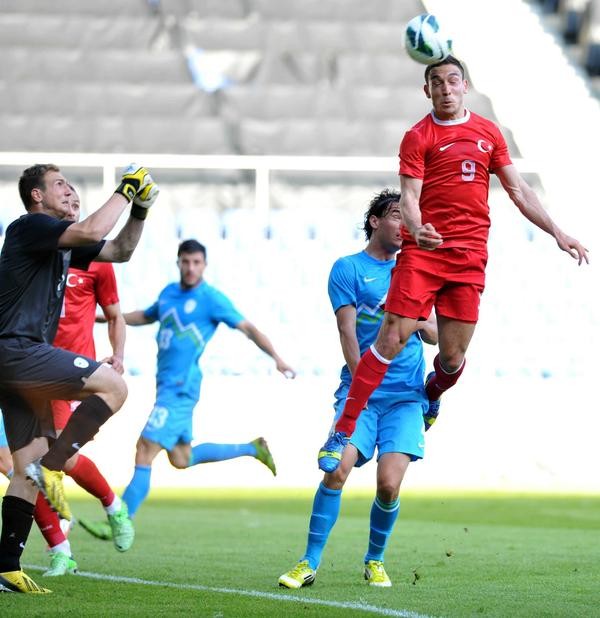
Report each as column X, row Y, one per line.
column 114, row 506
column 64, row 547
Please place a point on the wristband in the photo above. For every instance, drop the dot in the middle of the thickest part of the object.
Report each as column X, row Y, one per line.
column 127, row 190
column 138, row 212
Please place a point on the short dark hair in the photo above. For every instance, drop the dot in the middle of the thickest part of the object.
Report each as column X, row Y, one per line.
column 33, row 178
column 191, row 246
column 379, row 206
column 447, row 60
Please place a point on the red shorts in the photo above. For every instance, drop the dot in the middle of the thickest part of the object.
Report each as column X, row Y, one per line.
column 61, row 412
column 451, row 279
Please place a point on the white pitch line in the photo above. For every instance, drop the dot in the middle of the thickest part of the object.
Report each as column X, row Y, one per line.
column 290, row 598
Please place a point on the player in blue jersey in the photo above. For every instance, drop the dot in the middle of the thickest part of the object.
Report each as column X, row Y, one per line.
column 6, row 463
column 393, row 421
column 189, row 313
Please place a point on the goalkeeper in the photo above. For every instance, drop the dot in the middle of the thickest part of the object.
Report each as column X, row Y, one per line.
column 38, row 249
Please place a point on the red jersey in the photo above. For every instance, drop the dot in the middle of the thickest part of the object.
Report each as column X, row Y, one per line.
column 454, row 158
column 84, row 290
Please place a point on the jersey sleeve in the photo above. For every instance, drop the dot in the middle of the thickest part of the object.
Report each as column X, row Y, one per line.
column 40, row 232
column 412, row 155
column 500, row 155
column 223, row 310
column 341, row 286
column 106, row 285
column 152, row 312
column 81, row 257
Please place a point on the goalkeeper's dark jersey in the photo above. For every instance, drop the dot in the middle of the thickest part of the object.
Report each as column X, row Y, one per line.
column 33, row 272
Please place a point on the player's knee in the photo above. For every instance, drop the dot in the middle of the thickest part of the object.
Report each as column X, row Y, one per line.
column 116, row 391
column 392, row 338
column 388, row 490
column 121, row 391
column 336, row 479
column 452, row 361
column 178, row 460
column 144, row 454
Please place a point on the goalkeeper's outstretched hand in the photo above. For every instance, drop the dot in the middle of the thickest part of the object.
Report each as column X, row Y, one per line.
column 134, row 179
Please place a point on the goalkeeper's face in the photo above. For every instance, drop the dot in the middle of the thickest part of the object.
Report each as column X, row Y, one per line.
column 191, row 268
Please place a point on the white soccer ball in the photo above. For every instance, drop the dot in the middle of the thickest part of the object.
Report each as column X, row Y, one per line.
column 425, row 41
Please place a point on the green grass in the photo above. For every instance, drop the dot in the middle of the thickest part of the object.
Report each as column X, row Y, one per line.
column 451, row 555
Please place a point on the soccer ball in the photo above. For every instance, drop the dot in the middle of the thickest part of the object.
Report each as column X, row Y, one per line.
column 424, row 40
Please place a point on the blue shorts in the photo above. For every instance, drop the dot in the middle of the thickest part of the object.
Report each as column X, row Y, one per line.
column 390, row 423
column 170, row 421
column 3, row 440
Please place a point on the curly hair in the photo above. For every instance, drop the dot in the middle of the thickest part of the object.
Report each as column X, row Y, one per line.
column 379, row 206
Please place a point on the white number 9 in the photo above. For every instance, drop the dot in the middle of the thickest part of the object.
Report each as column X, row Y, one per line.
column 468, row 170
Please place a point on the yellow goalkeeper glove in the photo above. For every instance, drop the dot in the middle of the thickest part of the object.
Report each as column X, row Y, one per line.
column 134, row 179
column 144, row 199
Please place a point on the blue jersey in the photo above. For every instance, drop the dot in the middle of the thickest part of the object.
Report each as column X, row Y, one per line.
column 363, row 281
column 188, row 320
column 3, row 440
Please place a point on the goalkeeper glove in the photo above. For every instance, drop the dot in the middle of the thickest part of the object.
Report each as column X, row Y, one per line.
column 144, row 199
column 134, row 179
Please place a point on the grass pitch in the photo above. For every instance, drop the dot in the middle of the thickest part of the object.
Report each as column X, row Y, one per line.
column 220, row 553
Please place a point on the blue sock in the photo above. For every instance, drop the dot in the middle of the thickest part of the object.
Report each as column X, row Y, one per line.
column 137, row 490
column 203, row 453
column 383, row 518
column 325, row 511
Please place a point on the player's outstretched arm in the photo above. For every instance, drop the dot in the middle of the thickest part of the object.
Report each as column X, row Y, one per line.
column 137, row 318
column 116, row 336
column 95, row 227
column 527, row 202
column 425, row 235
column 121, row 248
column 262, row 342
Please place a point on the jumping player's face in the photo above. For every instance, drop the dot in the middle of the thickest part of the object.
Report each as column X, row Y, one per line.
column 74, row 206
column 55, row 198
column 446, row 88
column 191, row 268
column 387, row 228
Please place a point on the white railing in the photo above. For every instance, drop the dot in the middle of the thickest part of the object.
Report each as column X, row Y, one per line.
column 109, row 163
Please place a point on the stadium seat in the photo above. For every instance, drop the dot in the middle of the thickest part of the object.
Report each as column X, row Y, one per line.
column 229, row 9
column 338, row 10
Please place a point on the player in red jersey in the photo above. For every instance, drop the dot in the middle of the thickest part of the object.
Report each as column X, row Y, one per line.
column 84, row 290
column 445, row 164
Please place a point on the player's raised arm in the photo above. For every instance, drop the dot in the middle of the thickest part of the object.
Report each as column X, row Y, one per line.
column 425, row 235
column 263, row 343
column 95, row 227
column 121, row 248
column 527, row 202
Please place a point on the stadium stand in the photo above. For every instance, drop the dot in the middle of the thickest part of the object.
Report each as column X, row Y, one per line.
column 577, row 23
column 232, row 77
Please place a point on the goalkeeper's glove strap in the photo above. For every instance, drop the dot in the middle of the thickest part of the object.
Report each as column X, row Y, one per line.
column 127, row 190
column 139, row 212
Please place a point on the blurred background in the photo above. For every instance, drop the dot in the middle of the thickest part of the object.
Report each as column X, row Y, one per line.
column 269, row 125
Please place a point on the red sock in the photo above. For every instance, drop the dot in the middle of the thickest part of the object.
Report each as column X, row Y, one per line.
column 48, row 522
column 86, row 475
column 367, row 377
column 442, row 380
